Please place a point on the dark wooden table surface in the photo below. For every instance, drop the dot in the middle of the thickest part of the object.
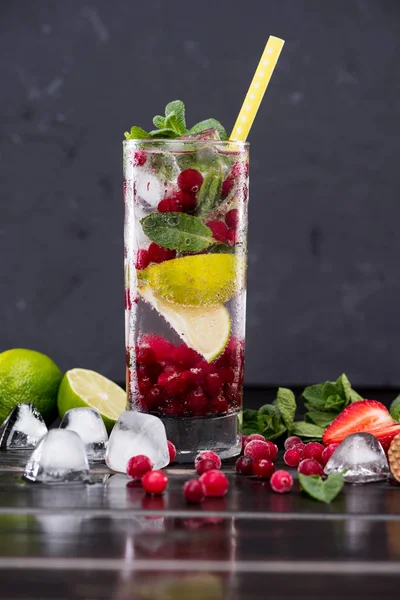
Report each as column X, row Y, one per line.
column 109, row 540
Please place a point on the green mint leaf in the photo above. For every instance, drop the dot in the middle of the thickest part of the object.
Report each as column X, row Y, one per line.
column 166, row 133
column 335, row 403
column 330, row 389
column 250, row 422
column 209, row 124
column 324, row 491
column 286, row 404
column 159, row 122
column 271, row 426
column 177, row 231
column 395, row 409
column 306, row 430
column 177, row 108
column 209, row 195
column 220, row 249
column 344, row 384
column 267, row 409
column 313, row 396
column 137, row 133
column 322, row 419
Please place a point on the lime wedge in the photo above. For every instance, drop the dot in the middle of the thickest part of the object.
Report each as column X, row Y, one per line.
column 205, row 329
column 84, row 388
column 200, row 280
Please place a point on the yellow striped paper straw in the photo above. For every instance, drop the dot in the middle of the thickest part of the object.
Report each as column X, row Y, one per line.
column 257, row 89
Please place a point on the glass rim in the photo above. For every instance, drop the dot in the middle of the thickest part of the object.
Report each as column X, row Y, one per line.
column 222, row 143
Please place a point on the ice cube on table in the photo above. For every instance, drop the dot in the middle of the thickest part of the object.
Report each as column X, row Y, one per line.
column 89, row 425
column 137, row 433
column 59, row 457
column 22, row 429
column 362, row 458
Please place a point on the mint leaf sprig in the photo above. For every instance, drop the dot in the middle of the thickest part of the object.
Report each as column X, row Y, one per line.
column 320, row 489
column 173, row 125
column 395, row 409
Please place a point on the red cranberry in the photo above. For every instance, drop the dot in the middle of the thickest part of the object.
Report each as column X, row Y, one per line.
column 232, row 218
column 193, row 491
column 205, row 465
column 145, row 355
column 257, row 450
column 151, row 371
column 292, row 457
column 139, row 158
column 144, row 385
column 185, row 356
column 273, row 449
column 218, row 405
column 154, row 482
column 138, row 465
column 263, row 468
column 314, row 450
column 327, row 453
column 161, row 348
column 300, row 447
column 142, row 260
column 213, row 384
column 256, row 436
column 244, row 465
column 244, row 441
column 186, row 201
column 219, row 230
column 226, row 374
column 192, row 377
column 158, row 254
column 172, row 383
column 281, row 482
column 190, row 180
column 309, row 466
column 227, row 185
column 232, row 394
column 205, row 367
column 292, row 441
column 240, row 169
column 174, row 408
column 208, row 454
column 214, row 483
column 169, row 205
column 232, row 237
column 172, row 451
column 197, row 402
column 153, row 397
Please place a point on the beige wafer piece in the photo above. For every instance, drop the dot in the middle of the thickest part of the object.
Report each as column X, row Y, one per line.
column 394, row 457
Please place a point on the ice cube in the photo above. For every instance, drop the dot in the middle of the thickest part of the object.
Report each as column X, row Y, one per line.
column 149, row 188
column 88, row 424
column 22, row 429
column 362, row 458
column 59, row 456
column 137, row 433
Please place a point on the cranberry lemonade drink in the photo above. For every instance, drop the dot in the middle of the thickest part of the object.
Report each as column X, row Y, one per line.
column 186, row 201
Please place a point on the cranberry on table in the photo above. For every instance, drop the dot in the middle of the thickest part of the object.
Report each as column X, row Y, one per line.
column 193, row 491
column 139, row 158
column 255, row 436
column 257, row 449
column 292, row 457
column 142, row 259
column 190, row 180
column 172, row 451
column 219, row 230
column 232, row 218
column 300, row 447
column 214, row 483
column 208, row 454
column 292, row 441
column 281, row 482
column 327, row 453
column 138, row 465
column 273, row 449
column 263, row 468
column 314, row 450
column 244, row 441
column 309, row 466
column 154, row 482
column 244, row 465
column 206, row 465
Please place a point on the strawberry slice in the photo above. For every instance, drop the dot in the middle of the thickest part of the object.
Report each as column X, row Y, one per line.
column 367, row 415
column 386, row 434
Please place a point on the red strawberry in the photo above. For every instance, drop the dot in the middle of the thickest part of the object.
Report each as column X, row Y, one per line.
column 366, row 415
column 386, row 434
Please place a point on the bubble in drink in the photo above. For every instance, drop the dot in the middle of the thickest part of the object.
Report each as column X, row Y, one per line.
column 137, row 433
column 361, row 459
column 88, row 424
column 59, row 457
column 22, row 429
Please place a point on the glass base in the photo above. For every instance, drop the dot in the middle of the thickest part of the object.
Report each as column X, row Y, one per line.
column 193, row 435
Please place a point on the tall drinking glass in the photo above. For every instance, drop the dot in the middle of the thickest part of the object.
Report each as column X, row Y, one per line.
column 185, row 293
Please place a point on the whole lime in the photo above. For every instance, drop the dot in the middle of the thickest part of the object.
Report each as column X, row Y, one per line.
column 28, row 376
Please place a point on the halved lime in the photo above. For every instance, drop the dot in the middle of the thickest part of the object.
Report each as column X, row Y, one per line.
column 205, row 329
column 200, row 280
column 84, row 388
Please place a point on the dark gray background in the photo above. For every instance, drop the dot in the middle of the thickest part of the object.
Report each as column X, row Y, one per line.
column 324, row 282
